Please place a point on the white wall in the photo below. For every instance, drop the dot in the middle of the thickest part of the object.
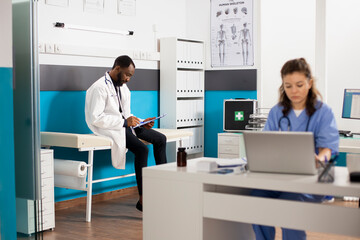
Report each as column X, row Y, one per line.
column 153, row 19
column 6, row 34
column 287, row 32
column 198, row 21
column 198, row 27
column 342, row 55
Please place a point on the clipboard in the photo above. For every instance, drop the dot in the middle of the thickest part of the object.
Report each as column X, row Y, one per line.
column 145, row 122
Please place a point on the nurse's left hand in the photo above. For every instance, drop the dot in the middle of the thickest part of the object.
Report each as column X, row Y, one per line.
column 323, row 156
column 150, row 124
column 319, row 159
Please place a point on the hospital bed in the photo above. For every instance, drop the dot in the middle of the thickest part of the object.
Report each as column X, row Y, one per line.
column 90, row 143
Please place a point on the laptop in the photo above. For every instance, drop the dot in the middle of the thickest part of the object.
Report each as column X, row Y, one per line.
column 280, row 152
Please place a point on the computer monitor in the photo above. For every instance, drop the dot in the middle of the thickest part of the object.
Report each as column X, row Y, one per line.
column 351, row 104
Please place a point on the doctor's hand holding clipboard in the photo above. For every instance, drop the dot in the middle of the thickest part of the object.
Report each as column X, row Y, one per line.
column 148, row 122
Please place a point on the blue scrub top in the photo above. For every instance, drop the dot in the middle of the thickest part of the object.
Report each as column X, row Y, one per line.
column 322, row 123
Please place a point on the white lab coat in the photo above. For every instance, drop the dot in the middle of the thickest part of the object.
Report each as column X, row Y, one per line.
column 104, row 118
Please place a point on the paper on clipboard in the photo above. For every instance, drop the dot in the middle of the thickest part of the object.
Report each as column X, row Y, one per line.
column 143, row 123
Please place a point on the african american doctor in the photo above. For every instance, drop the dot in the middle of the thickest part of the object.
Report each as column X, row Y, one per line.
column 107, row 113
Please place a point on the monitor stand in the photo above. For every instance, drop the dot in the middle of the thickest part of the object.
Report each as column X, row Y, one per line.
column 345, row 133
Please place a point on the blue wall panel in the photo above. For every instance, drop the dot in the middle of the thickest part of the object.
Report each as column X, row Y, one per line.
column 341, row 160
column 214, row 103
column 7, row 162
column 64, row 112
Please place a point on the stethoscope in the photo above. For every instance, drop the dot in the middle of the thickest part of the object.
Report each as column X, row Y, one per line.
column 117, row 95
column 107, row 80
column 289, row 123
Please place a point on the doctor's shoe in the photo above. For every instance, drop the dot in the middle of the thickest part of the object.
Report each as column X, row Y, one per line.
column 139, row 206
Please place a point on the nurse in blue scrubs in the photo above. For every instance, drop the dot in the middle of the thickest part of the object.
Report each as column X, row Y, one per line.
column 299, row 109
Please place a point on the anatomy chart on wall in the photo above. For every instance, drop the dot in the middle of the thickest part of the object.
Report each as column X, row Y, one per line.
column 127, row 7
column 94, row 6
column 232, row 33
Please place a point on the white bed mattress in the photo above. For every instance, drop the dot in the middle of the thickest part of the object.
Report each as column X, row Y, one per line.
column 73, row 140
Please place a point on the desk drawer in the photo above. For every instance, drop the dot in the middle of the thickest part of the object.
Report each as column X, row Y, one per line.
column 47, row 171
column 47, row 208
column 225, row 155
column 229, row 149
column 46, row 221
column 229, row 140
column 47, row 193
column 46, row 165
column 46, row 156
column 231, row 143
column 320, row 217
column 47, row 183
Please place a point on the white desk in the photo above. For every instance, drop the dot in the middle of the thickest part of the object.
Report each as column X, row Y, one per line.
column 350, row 145
column 181, row 203
column 90, row 143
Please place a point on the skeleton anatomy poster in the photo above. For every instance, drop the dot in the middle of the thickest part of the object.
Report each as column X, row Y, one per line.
column 232, row 33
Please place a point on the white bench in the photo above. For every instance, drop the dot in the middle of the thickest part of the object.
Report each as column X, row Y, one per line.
column 90, row 143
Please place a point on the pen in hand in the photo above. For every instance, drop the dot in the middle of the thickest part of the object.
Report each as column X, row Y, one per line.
column 132, row 121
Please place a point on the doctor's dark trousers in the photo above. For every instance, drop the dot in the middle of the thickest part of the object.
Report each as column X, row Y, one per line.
column 140, row 150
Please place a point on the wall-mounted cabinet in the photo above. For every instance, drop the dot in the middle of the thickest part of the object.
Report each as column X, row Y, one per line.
column 182, row 88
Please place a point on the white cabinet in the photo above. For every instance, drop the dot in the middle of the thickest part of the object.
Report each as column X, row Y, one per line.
column 182, row 89
column 44, row 208
column 231, row 145
column 47, row 207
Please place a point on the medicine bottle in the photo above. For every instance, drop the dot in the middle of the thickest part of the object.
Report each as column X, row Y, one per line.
column 181, row 157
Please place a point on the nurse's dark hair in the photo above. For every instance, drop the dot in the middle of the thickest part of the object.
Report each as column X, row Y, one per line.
column 123, row 61
column 301, row 66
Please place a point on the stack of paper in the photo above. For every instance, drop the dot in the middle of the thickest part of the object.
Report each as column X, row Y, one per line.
column 230, row 162
column 206, row 165
column 214, row 164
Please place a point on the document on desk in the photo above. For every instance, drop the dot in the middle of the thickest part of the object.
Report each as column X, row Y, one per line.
column 152, row 120
column 230, row 162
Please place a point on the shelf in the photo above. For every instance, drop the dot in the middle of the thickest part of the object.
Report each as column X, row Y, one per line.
column 182, row 88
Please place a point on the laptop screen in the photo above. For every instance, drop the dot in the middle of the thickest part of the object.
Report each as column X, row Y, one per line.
column 280, row 152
